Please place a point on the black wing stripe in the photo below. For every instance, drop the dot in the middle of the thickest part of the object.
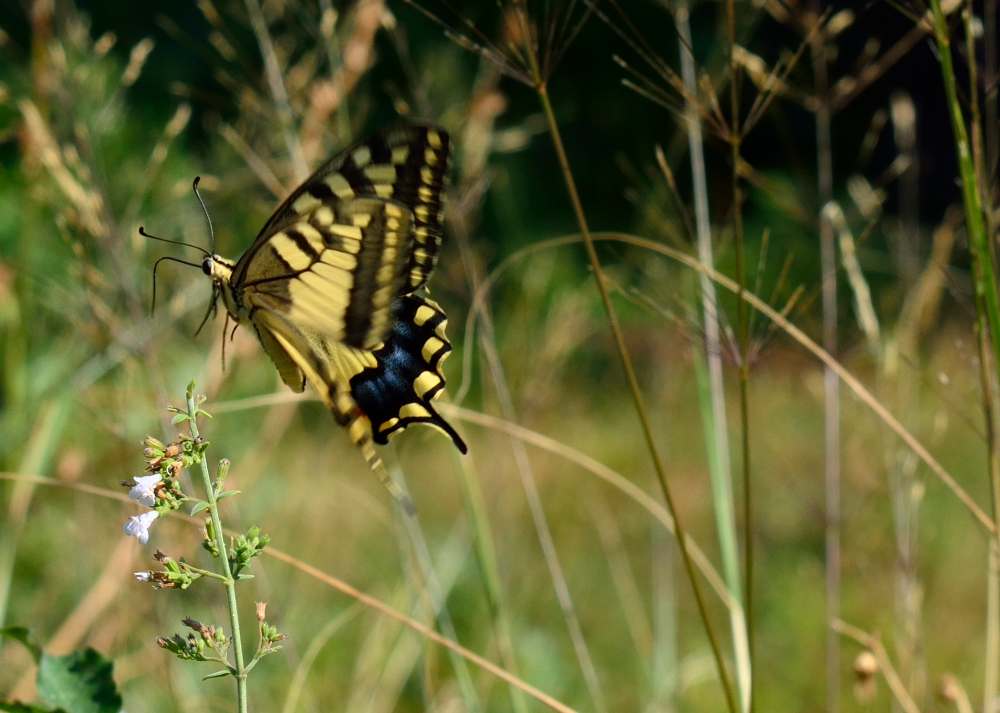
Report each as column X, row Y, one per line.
column 301, row 243
column 358, row 316
column 284, row 263
column 356, row 178
column 319, row 190
column 381, row 151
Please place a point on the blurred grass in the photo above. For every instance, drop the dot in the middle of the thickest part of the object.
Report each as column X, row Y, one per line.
column 86, row 371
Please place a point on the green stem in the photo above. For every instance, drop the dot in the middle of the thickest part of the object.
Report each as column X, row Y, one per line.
column 630, row 375
column 220, row 543
column 205, row 572
column 743, row 327
column 982, row 254
column 987, row 300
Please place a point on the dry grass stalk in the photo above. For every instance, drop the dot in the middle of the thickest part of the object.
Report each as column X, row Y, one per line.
column 874, row 644
column 327, row 96
column 87, row 205
column 863, row 306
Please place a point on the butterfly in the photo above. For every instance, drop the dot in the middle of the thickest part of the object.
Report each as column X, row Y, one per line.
column 334, row 285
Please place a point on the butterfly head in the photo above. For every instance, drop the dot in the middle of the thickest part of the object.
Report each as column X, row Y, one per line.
column 218, row 268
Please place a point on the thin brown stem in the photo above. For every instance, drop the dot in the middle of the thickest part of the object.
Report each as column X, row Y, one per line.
column 633, row 382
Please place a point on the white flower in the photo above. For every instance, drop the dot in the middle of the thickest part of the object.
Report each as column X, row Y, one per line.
column 138, row 525
column 144, row 490
column 142, row 576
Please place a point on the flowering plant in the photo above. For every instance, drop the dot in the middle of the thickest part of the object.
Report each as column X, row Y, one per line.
column 159, row 490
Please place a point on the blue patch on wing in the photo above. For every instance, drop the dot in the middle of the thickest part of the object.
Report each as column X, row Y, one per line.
column 383, row 392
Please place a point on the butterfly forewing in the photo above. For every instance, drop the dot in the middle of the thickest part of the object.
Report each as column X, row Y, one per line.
column 408, row 164
column 336, row 269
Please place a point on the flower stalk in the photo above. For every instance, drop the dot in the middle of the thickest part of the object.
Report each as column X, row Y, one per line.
column 239, row 670
column 161, row 492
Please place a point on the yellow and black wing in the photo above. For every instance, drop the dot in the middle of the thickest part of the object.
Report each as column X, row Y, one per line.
column 407, row 164
column 329, row 286
column 335, row 270
column 372, row 393
column 407, row 376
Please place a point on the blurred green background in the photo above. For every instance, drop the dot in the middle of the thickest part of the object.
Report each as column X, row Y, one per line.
column 108, row 111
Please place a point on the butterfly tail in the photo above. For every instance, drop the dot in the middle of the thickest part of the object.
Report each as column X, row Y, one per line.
column 346, row 413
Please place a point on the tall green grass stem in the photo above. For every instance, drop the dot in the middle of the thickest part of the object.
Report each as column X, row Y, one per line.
column 743, row 330
column 711, row 391
column 987, row 298
column 982, row 252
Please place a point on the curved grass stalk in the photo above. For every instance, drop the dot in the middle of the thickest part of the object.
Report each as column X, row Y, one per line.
column 781, row 322
column 551, row 445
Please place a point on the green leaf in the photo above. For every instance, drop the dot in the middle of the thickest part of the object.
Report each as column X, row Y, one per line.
column 226, row 494
column 199, row 506
column 21, row 633
column 218, row 674
column 15, row 707
column 80, row 682
column 179, row 418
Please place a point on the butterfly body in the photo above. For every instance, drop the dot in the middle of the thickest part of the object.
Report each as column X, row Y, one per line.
column 333, row 284
column 220, row 269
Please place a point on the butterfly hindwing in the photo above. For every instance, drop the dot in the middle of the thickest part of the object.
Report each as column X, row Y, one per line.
column 335, row 270
column 408, row 373
column 372, row 393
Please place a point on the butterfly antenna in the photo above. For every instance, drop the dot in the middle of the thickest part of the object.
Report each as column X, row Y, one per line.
column 143, row 233
column 204, row 208
column 169, row 258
